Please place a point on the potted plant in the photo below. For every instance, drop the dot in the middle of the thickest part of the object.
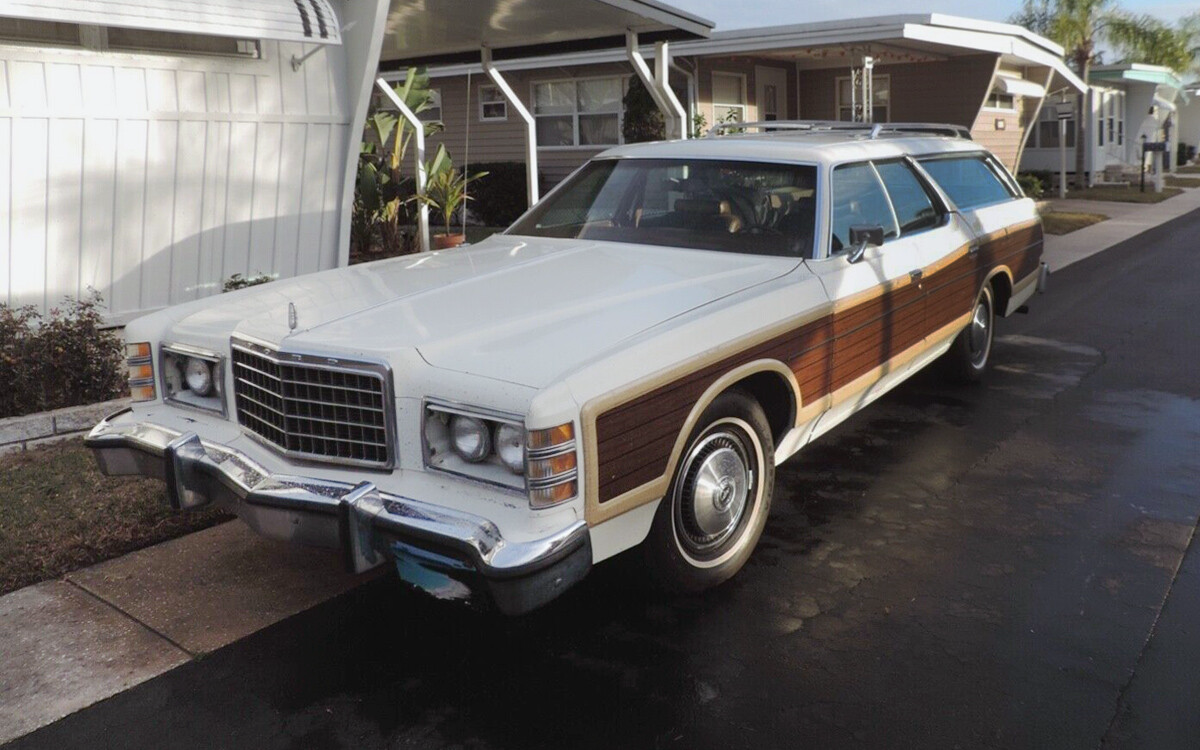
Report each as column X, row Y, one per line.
column 446, row 193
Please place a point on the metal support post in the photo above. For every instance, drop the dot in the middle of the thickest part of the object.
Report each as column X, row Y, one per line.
column 419, row 143
column 531, row 155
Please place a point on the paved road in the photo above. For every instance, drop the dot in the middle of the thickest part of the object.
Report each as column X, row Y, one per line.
column 1001, row 566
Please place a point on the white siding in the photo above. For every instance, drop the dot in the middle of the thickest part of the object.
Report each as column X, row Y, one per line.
column 153, row 178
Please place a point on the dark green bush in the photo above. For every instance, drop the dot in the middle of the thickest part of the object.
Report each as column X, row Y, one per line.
column 643, row 120
column 64, row 359
column 500, row 198
column 1032, row 185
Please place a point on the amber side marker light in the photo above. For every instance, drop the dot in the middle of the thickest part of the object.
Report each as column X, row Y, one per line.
column 139, row 359
column 552, row 470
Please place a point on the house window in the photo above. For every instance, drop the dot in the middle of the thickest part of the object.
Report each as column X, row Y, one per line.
column 575, row 113
column 1046, row 134
column 493, row 107
column 881, row 96
column 728, row 97
column 1001, row 101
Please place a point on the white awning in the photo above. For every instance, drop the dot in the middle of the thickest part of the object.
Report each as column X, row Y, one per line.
column 1019, row 86
column 278, row 20
column 452, row 31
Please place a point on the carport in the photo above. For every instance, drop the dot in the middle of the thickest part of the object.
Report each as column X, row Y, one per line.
column 407, row 33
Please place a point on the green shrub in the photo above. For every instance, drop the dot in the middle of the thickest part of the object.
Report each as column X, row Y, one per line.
column 64, row 359
column 500, row 198
column 238, row 281
column 643, row 119
column 1032, row 185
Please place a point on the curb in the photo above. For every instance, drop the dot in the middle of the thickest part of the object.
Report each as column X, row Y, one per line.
column 19, row 434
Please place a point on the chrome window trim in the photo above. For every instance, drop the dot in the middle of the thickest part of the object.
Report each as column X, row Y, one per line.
column 370, row 368
column 186, row 350
column 479, row 412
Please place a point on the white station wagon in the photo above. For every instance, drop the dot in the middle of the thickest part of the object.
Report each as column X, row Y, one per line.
column 624, row 367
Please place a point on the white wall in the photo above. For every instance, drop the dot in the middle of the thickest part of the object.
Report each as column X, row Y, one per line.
column 152, row 178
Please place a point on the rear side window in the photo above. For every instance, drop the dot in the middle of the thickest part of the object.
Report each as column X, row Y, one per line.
column 915, row 209
column 969, row 181
column 859, row 199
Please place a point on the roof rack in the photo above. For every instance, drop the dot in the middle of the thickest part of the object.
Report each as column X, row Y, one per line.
column 872, row 130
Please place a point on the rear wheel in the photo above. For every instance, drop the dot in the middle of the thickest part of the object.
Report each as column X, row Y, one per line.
column 970, row 355
column 714, row 512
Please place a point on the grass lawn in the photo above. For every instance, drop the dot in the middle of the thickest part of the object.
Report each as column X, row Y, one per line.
column 1065, row 222
column 58, row 514
column 1181, row 182
column 1129, row 194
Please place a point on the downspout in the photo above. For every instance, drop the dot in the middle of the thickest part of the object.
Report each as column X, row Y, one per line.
column 422, row 177
column 531, row 155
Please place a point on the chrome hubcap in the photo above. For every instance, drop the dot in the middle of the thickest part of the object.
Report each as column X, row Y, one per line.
column 980, row 334
column 714, row 492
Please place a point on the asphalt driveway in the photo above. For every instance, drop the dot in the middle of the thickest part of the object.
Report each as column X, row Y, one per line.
column 1009, row 565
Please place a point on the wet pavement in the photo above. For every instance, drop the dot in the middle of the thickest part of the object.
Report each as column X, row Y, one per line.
column 1008, row 566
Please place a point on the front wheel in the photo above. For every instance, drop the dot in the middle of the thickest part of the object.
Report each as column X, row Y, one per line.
column 714, row 512
column 970, row 355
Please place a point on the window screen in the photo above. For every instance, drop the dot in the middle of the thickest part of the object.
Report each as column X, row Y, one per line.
column 968, row 180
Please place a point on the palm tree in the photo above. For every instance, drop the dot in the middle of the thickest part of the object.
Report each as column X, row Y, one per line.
column 1146, row 39
column 1077, row 25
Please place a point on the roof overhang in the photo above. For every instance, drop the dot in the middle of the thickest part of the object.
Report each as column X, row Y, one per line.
column 440, row 32
column 1137, row 73
column 311, row 21
column 930, row 36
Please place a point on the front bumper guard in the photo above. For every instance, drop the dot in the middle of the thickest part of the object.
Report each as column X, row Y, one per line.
column 448, row 553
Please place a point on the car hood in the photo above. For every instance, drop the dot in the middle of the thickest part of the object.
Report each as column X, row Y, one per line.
column 523, row 310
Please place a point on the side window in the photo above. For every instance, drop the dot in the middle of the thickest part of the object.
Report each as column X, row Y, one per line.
column 915, row 209
column 968, row 180
column 859, row 199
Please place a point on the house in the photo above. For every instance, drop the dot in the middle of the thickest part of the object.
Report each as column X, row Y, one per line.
column 1127, row 103
column 150, row 151
column 989, row 77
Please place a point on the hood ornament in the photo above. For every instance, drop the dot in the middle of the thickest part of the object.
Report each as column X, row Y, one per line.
column 292, row 322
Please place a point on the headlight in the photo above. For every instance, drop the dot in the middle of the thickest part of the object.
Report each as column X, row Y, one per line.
column 470, row 438
column 198, row 375
column 510, row 447
column 192, row 377
column 497, row 449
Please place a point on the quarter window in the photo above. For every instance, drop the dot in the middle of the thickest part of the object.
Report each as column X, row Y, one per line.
column 492, row 104
column 914, row 207
column 859, row 199
column 970, row 181
column 578, row 113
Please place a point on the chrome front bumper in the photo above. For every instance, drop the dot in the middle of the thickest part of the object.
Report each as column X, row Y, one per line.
column 448, row 553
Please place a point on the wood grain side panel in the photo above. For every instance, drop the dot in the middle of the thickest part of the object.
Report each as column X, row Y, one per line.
column 635, row 439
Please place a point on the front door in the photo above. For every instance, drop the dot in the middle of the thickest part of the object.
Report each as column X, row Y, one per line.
column 878, row 315
column 771, row 91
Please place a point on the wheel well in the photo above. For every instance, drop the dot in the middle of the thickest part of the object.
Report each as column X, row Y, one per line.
column 774, row 394
column 1002, row 291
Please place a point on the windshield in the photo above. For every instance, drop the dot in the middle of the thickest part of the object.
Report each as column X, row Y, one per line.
column 743, row 207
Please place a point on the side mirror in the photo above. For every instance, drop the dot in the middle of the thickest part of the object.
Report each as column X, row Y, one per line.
column 863, row 236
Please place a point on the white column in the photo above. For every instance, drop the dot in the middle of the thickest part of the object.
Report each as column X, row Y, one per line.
column 531, row 156
column 664, row 99
column 419, row 143
column 662, row 75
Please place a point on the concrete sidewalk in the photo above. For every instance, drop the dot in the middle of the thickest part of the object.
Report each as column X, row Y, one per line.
column 67, row 644
column 1126, row 220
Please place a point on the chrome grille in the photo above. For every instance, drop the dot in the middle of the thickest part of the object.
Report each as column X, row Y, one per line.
column 325, row 410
